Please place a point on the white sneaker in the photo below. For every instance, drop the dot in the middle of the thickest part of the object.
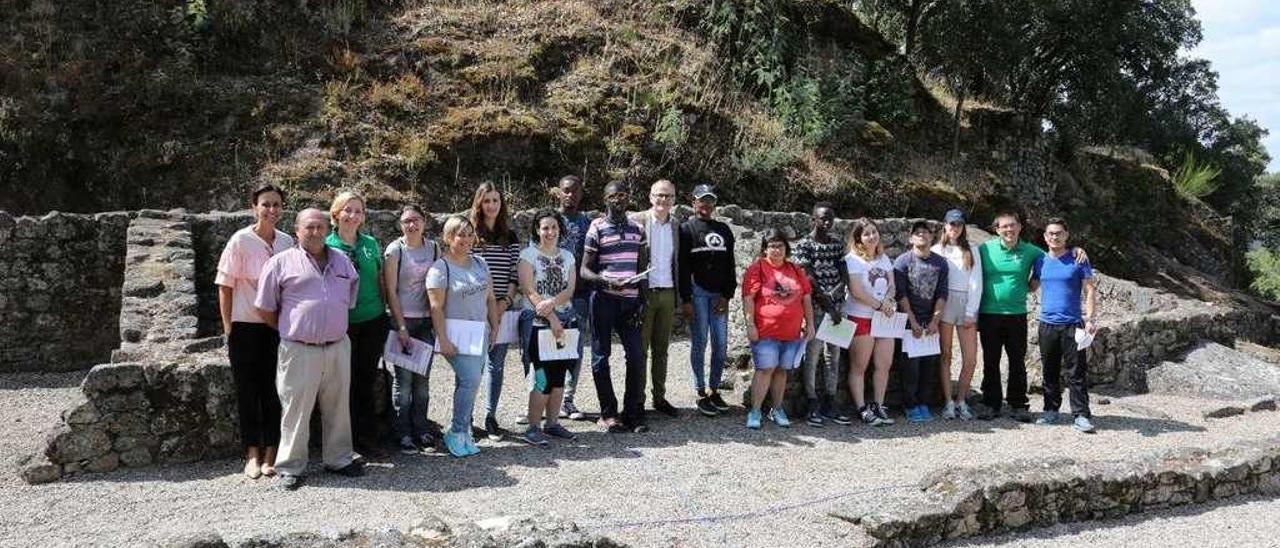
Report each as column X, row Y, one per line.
column 949, row 410
column 964, row 412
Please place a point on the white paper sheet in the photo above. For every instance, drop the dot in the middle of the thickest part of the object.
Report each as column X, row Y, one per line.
column 883, row 327
column 838, row 334
column 508, row 328
column 416, row 359
column 468, row 336
column 926, row 345
column 548, row 350
column 800, row 357
column 1083, row 339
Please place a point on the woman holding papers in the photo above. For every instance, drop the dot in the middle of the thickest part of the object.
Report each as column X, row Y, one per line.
column 871, row 291
column 498, row 246
column 465, row 316
column 251, row 343
column 408, row 259
column 777, row 303
column 964, row 293
column 547, row 277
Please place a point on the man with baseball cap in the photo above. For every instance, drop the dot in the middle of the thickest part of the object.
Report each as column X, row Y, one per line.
column 708, row 279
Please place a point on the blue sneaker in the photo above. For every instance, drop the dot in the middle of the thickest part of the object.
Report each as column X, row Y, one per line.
column 924, row 414
column 913, row 414
column 1084, row 425
column 1048, row 417
column 753, row 419
column 456, row 445
column 780, row 417
column 470, row 440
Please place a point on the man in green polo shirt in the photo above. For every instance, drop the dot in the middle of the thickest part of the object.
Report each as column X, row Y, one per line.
column 1002, row 316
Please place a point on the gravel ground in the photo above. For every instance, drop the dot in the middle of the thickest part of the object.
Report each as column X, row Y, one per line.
column 1241, row 523
column 692, row 482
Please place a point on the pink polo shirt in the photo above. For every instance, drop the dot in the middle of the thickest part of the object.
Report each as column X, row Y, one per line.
column 312, row 306
column 240, row 266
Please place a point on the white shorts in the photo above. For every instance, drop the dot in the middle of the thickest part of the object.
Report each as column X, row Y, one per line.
column 953, row 313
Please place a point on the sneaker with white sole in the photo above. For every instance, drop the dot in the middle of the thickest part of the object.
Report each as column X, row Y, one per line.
column 754, row 417
column 1084, row 425
column 882, row 414
column 533, row 436
column 963, row 411
column 949, row 411
column 1047, row 418
column 868, row 415
column 570, row 411
column 407, row 447
column 780, row 417
column 814, row 418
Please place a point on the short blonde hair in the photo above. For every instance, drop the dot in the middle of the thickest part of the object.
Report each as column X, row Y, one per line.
column 452, row 226
column 340, row 201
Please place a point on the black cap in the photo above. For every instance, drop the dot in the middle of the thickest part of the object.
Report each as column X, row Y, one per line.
column 954, row 216
column 703, row 191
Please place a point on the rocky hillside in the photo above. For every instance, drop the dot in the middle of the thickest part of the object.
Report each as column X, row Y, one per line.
column 187, row 103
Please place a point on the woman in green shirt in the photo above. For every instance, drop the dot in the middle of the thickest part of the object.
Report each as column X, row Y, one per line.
column 367, row 322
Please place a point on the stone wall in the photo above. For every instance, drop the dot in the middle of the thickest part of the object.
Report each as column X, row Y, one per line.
column 1024, row 495
column 136, row 414
column 60, row 285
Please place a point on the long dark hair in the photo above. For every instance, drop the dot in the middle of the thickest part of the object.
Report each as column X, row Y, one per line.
column 501, row 234
column 962, row 242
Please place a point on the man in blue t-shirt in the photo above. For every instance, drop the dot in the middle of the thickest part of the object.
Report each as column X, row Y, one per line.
column 570, row 191
column 1062, row 280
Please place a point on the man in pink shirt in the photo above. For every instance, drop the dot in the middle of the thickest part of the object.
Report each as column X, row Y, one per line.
column 305, row 293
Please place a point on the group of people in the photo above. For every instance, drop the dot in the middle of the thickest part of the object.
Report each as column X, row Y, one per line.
column 307, row 320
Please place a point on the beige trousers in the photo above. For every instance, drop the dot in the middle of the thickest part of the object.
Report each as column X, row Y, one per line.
column 307, row 376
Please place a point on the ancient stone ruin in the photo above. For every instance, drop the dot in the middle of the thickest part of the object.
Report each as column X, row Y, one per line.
column 132, row 295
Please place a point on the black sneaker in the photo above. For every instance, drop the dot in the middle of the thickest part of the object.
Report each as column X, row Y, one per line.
column 407, row 447
column 290, row 482
column 718, row 402
column 1022, row 414
column 986, row 413
column 814, row 419
column 665, row 407
column 882, row 415
column 353, row 470
column 867, row 414
column 707, row 408
column 491, row 428
column 831, row 411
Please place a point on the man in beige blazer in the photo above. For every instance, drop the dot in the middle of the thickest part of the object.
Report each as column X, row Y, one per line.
column 662, row 234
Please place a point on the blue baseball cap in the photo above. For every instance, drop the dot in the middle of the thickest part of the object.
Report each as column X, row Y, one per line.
column 954, row 216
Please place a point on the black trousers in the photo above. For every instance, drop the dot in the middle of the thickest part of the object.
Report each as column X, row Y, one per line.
column 367, row 340
column 915, row 370
column 1058, row 354
column 1004, row 333
column 252, row 349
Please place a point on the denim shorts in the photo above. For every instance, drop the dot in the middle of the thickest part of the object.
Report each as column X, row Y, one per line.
column 771, row 353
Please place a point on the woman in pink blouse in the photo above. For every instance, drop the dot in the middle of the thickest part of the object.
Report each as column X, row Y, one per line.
column 251, row 343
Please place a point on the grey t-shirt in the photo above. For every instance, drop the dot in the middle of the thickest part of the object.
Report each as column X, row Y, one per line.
column 551, row 275
column 413, row 266
column 465, row 296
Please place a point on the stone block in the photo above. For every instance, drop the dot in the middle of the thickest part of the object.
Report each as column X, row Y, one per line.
column 182, row 448
column 82, row 414
column 105, row 463
column 128, row 401
column 136, row 457
column 1263, row 403
column 70, row 445
column 37, row 469
column 112, row 377
column 1221, row 411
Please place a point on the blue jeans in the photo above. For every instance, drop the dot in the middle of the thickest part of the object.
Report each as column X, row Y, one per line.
column 609, row 314
column 493, row 370
column 467, row 370
column 773, row 353
column 581, row 309
column 705, row 321
column 411, row 392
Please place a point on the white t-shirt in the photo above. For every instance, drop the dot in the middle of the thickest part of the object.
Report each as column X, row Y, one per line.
column 551, row 274
column 875, row 277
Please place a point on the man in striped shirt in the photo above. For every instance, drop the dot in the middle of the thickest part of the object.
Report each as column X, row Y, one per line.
column 613, row 258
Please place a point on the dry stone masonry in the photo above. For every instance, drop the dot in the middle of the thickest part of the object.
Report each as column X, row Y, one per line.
column 1039, row 493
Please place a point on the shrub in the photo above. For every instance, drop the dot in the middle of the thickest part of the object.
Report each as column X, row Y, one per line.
column 1265, row 266
column 1194, row 179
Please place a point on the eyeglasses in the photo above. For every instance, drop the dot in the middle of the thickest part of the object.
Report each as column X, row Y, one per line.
column 1054, row 234
column 663, row 196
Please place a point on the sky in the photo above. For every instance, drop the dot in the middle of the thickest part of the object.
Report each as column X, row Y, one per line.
column 1242, row 40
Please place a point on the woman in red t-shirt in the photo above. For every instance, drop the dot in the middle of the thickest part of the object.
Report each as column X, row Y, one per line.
column 779, row 311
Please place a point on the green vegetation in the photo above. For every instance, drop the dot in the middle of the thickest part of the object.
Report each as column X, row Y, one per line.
column 1195, row 180
column 1265, row 265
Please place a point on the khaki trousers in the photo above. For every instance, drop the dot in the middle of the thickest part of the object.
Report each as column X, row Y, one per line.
column 308, row 376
